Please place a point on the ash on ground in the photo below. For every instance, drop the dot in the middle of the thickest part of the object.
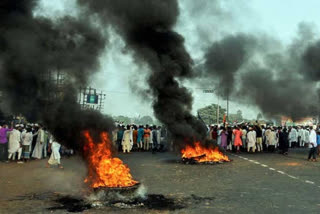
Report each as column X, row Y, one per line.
column 139, row 199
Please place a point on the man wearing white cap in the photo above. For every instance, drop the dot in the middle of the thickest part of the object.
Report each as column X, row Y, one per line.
column 14, row 143
column 37, row 152
column 55, row 154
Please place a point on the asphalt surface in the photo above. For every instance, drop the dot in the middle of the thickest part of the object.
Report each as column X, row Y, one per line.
column 251, row 183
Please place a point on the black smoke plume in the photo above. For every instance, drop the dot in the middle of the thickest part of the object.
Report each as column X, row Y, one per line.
column 32, row 51
column 147, row 28
column 254, row 69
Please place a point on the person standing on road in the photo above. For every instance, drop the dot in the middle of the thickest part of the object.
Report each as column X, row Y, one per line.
column 147, row 138
column 313, row 144
column 15, row 144
column 127, row 139
column 251, row 139
column 140, row 137
column 293, row 137
column 120, row 137
column 259, row 138
column 38, row 149
column 318, row 141
column 4, row 142
column 244, row 137
column 55, row 156
column 237, row 138
column 306, row 136
column 283, row 141
column 26, row 144
column 224, row 138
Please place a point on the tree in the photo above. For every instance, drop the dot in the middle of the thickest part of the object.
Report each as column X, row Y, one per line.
column 122, row 119
column 209, row 114
column 145, row 120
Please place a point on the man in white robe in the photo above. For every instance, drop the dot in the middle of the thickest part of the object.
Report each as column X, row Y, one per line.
column 293, row 137
column 252, row 139
column 127, row 140
column 38, row 149
column 55, row 153
column 14, row 144
column 306, row 136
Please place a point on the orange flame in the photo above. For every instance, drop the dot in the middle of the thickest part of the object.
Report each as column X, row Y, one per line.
column 202, row 154
column 104, row 170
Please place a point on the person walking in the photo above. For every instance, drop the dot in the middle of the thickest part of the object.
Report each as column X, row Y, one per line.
column 55, row 153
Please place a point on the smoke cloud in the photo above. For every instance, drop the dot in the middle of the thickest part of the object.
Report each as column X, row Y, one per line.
column 147, row 28
column 253, row 69
column 32, row 51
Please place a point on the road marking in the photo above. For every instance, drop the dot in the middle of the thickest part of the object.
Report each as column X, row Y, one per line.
column 278, row 171
column 309, row 182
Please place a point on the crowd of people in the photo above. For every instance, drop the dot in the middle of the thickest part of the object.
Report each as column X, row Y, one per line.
column 252, row 138
column 139, row 138
column 22, row 143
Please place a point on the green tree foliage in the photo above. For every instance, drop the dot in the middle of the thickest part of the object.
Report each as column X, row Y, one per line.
column 209, row 114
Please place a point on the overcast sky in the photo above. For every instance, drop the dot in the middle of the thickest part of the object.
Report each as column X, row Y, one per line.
column 200, row 24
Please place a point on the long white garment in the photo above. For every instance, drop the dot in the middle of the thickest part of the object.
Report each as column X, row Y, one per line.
column 301, row 133
column 306, row 136
column 252, row 138
column 27, row 139
column 272, row 141
column 293, row 136
column 127, row 140
column 159, row 136
column 219, row 137
column 268, row 136
column 14, row 141
column 313, row 139
column 55, row 154
column 37, row 152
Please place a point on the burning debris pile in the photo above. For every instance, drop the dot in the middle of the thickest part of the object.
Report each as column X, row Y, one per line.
column 197, row 153
column 133, row 201
column 105, row 170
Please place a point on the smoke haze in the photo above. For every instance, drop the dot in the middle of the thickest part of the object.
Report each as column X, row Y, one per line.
column 32, row 47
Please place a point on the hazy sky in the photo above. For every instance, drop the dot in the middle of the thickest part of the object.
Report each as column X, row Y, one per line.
column 277, row 18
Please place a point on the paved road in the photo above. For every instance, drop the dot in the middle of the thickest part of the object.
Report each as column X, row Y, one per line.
column 251, row 183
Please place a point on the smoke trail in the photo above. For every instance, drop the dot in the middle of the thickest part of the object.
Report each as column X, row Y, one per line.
column 147, row 28
column 224, row 58
column 30, row 48
column 278, row 81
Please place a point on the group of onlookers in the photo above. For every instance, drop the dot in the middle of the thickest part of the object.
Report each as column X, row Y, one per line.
column 256, row 137
column 24, row 142
column 139, row 138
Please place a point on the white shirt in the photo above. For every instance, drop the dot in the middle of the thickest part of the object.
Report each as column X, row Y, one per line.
column 313, row 139
column 27, row 139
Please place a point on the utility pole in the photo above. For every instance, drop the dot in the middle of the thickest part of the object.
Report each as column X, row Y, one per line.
column 227, row 119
